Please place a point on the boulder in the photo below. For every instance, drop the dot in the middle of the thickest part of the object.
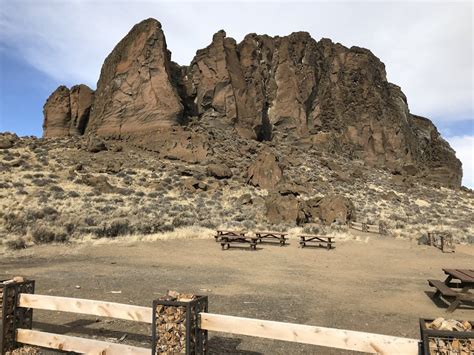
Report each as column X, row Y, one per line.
column 219, row 171
column 5, row 143
column 100, row 184
column 265, row 172
column 288, row 188
column 281, row 208
column 336, row 208
column 192, row 184
column 7, row 140
column 95, row 145
column 245, row 199
column 329, row 209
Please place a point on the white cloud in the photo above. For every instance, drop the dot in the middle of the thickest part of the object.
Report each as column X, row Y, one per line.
column 464, row 147
column 427, row 46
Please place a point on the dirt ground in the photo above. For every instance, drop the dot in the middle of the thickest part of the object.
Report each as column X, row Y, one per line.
column 375, row 286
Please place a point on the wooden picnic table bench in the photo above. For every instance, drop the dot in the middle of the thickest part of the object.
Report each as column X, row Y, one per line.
column 227, row 240
column 271, row 236
column 317, row 240
column 458, row 292
column 221, row 233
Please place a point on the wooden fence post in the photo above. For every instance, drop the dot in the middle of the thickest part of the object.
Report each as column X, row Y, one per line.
column 14, row 317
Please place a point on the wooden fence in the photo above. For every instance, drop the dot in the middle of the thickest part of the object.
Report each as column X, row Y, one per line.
column 321, row 336
column 371, row 228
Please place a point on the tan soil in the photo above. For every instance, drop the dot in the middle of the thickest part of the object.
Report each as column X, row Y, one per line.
column 377, row 286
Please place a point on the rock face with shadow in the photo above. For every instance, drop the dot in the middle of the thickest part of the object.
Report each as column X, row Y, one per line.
column 282, row 90
column 66, row 112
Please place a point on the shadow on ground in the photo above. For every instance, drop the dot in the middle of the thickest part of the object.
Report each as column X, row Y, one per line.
column 223, row 345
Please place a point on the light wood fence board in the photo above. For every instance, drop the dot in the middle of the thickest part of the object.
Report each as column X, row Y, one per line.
column 329, row 337
column 83, row 306
column 75, row 344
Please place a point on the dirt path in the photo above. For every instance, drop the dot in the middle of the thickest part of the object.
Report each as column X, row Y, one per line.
column 377, row 286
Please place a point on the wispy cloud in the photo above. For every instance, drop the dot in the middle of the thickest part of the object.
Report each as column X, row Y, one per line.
column 427, row 46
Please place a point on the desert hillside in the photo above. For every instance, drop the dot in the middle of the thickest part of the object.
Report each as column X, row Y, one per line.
column 60, row 189
column 273, row 132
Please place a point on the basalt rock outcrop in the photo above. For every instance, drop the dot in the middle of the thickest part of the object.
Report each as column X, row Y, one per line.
column 265, row 172
column 288, row 90
column 135, row 93
column 329, row 209
column 66, row 112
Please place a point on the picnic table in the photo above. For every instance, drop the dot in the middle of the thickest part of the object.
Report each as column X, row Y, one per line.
column 271, row 236
column 317, row 240
column 222, row 233
column 456, row 288
column 227, row 240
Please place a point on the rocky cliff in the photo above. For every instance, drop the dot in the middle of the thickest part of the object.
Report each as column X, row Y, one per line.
column 66, row 112
column 280, row 89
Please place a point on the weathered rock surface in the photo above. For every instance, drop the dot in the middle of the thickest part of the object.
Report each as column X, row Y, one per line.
column 66, row 112
column 219, row 171
column 291, row 90
column 7, row 140
column 81, row 97
column 57, row 113
column 174, row 143
column 329, row 209
column 95, row 145
column 265, row 171
column 135, row 94
column 336, row 208
column 282, row 208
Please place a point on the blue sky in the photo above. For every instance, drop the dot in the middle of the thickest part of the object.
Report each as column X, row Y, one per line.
column 427, row 48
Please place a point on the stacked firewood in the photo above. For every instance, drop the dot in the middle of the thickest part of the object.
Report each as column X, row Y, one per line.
column 24, row 350
column 171, row 324
column 451, row 345
column 6, row 282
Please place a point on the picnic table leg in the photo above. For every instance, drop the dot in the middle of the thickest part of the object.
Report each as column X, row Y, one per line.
column 453, row 306
column 302, row 242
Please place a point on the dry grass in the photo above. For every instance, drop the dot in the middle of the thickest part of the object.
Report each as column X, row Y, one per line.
column 42, row 188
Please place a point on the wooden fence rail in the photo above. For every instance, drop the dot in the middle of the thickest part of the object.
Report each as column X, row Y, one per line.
column 371, row 228
column 75, row 344
column 83, row 306
column 329, row 337
column 321, row 336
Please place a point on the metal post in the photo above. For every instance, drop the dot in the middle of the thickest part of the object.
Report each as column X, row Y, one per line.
column 14, row 317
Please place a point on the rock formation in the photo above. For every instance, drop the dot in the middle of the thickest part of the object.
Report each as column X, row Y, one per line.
column 282, row 208
column 135, row 93
column 66, row 112
column 281, row 89
column 265, row 171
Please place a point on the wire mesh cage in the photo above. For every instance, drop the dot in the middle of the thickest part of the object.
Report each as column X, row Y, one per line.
column 444, row 341
column 13, row 317
column 175, row 327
